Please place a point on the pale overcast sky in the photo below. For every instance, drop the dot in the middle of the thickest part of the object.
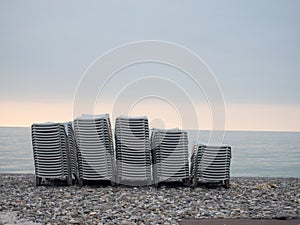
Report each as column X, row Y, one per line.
column 252, row 46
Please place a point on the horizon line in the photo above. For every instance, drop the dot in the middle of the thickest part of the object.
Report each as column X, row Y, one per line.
column 287, row 131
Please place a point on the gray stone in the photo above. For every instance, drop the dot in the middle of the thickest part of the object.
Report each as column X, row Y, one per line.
column 74, row 221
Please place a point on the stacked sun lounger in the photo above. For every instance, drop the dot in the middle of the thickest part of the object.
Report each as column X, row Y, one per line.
column 170, row 155
column 210, row 164
column 95, row 148
column 133, row 152
column 51, row 152
column 72, row 149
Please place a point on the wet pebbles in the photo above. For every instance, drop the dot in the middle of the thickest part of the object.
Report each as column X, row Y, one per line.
column 266, row 198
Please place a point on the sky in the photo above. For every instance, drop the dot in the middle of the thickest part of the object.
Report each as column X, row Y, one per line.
column 252, row 47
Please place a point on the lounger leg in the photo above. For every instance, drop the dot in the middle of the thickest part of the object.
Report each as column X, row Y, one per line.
column 113, row 183
column 37, row 181
column 156, row 181
column 227, row 184
column 76, row 179
column 148, row 182
column 81, row 182
column 69, row 181
column 186, row 182
column 193, row 182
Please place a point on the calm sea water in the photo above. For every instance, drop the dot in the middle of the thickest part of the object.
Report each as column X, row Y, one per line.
column 264, row 154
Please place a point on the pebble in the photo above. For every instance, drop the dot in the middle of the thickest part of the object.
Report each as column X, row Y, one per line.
column 260, row 198
column 74, row 221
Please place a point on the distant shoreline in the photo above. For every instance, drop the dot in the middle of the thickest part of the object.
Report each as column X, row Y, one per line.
column 280, row 131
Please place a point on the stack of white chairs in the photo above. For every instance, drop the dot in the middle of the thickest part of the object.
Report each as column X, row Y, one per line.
column 170, row 155
column 51, row 152
column 84, row 149
column 133, row 153
column 95, row 148
column 210, row 164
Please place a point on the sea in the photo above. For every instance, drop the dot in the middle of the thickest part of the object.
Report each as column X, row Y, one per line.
column 254, row 153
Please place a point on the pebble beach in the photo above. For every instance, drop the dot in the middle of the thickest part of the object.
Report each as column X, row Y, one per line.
column 247, row 198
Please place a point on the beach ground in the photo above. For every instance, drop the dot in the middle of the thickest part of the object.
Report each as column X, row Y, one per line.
column 263, row 200
column 240, row 222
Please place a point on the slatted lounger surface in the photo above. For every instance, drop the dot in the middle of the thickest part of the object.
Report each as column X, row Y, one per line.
column 170, row 155
column 210, row 164
column 95, row 148
column 133, row 155
column 51, row 152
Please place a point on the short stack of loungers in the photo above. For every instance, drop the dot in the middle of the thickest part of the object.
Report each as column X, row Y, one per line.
column 170, row 155
column 51, row 152
column 210, row 164
column 95, row 148
column 133, row 153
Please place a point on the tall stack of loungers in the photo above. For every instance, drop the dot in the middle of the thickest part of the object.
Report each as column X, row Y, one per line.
column 210, row 164
column 133, row 153
column 95, row 148
column 51, row 152
column 170, row 155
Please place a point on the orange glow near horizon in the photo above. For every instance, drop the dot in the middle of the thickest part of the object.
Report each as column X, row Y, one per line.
column 257, row 117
